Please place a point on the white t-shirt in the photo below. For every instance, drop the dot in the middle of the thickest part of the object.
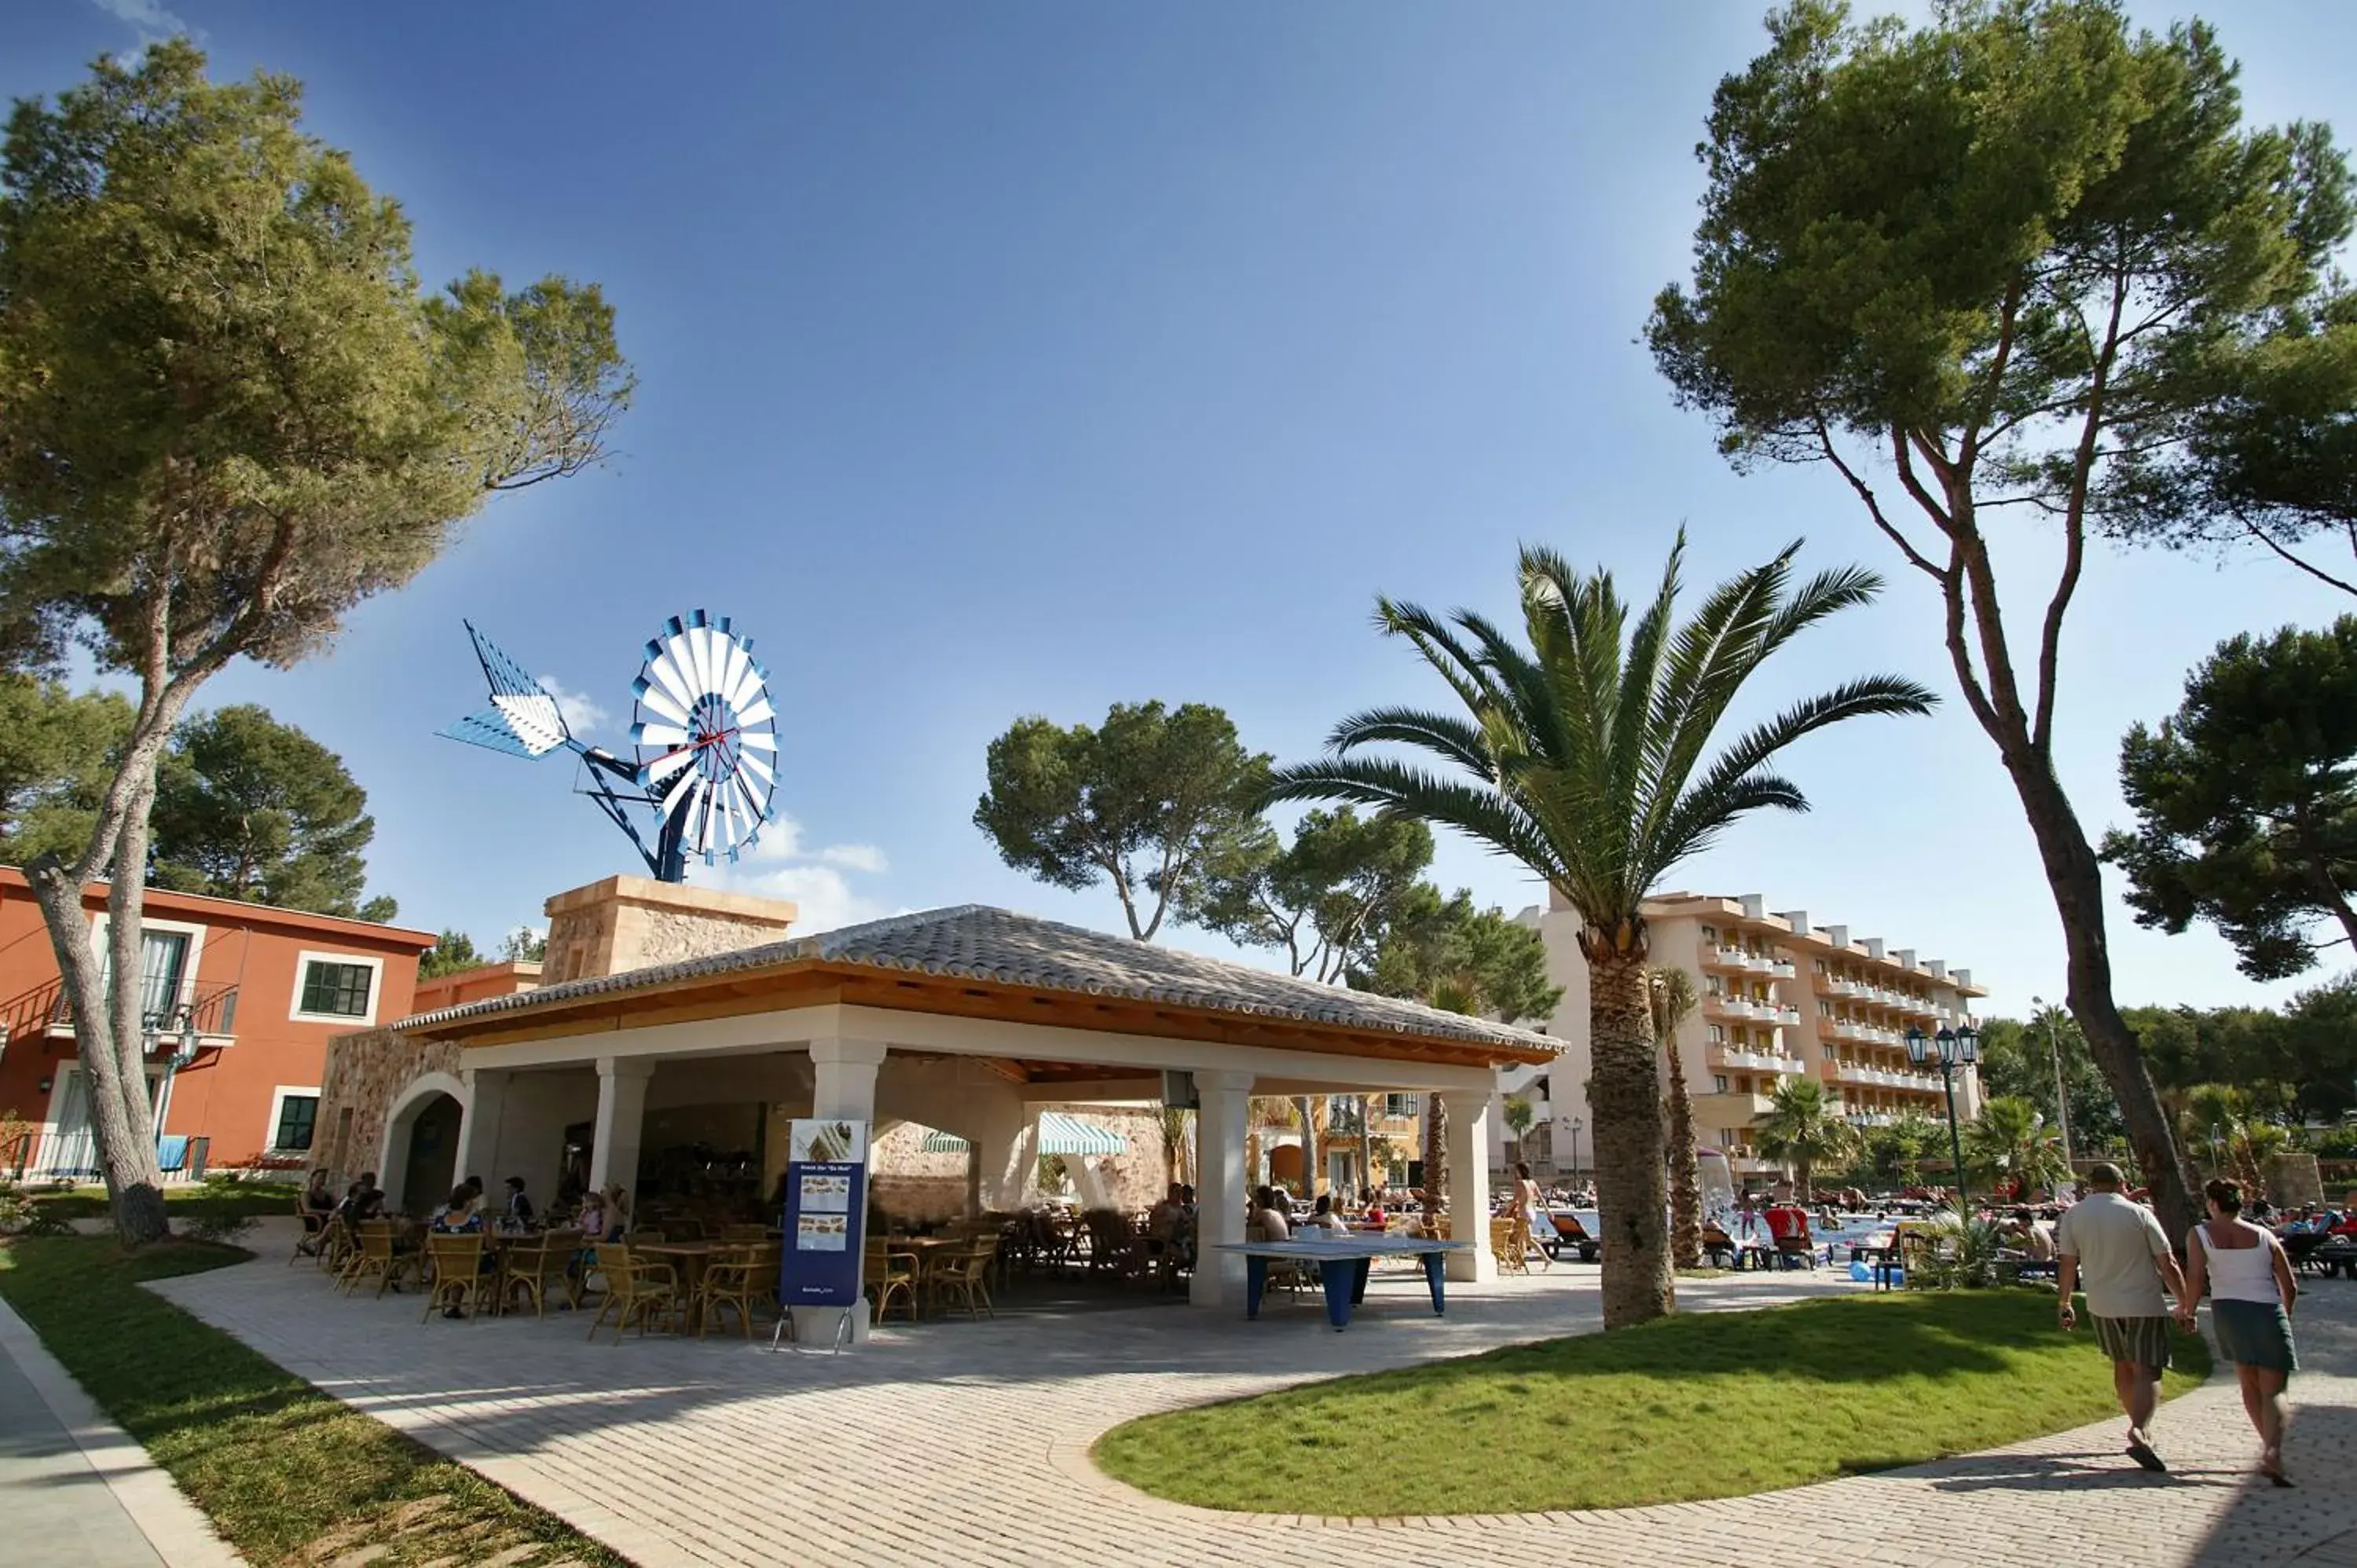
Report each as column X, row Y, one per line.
column 2118, row 1244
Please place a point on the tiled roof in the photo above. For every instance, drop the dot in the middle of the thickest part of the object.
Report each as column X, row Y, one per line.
column 974, row 942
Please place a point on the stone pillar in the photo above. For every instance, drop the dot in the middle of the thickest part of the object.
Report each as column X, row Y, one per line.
column 1003, row 1132
column 621, row 1115
column 844, row 1078
column 1469, row 1113
column 1220, row 1187
column 479, row 1112
column 844, row 1085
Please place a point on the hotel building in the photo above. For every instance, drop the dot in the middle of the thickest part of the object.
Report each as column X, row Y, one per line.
column 1780, row 997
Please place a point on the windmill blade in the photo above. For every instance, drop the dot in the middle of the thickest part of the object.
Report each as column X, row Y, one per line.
column 644, row 734
column 682, row 790
column 524, row 718
column 666, row 766
column 763, row 739
column 492, row 732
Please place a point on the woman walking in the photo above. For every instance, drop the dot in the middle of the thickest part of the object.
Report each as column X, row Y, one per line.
column 2252, row 1289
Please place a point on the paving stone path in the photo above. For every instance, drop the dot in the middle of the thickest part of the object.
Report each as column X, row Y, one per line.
column 961, row 1442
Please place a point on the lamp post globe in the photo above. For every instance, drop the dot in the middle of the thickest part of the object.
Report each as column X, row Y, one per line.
column 1944, row 1050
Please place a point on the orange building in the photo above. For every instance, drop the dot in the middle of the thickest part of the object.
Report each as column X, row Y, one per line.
column 241, row 1000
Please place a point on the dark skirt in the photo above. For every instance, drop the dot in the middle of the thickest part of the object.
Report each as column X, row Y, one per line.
column 2255, row 1334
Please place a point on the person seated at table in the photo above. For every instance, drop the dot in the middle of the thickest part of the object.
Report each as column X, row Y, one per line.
column 1163, row 1220
column 1323, row 1217
column 317, row 1200
column 618, row 1212
column 369, row 1204
column 1275, row 1224
column 592, row 1216
column 519, row 1207
column 2037, row 1244
column 1375, row 1215
column 459, row 1216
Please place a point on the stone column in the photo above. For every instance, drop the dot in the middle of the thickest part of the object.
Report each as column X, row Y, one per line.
column 621, row 1116
column 479, row 1113
column 1003, row 1132
column 844, row 1085
column 1469, row 1113
column 1220, row 1187
column 845, row 1074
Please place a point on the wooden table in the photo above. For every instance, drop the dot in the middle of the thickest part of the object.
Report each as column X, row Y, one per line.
column 690, row 1257
column 1343, row 1263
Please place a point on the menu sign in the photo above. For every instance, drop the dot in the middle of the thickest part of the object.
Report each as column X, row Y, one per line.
column 826, row 1205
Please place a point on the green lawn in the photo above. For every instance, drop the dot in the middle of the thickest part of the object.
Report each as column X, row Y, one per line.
column 286, row 1474
column 1698, row 1405
column 192, row 1200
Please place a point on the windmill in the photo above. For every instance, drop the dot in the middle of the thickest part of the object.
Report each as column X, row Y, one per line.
column 703, row 733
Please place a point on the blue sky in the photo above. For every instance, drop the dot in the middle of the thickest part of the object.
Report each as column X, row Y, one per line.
column 1028, row 358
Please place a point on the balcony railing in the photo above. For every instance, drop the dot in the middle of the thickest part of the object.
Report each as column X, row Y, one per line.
column 1754, row 1061
column 1783, row 969
column 166, row 1010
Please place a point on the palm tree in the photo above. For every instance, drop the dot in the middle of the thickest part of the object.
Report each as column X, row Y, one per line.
column 2012, row 1140
column 1519, row 1114
column 1670, row 999
column 1803, row 1128
column 1582, row 757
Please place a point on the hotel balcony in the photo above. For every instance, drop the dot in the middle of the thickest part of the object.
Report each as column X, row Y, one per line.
column 1722, row 1058
column 1729, row 1111
column 169, row 1010
column 1784, row 969
column 1871, row 1119
column 1725, row 958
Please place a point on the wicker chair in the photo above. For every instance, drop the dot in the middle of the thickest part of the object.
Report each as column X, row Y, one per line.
column 741, row 1278
column 313, row 1242
column 530, row 1265
column 635, row 1287
column 459, row 1276
column 1504, row 1247
column 887, row 1274
column 964, row 1277
column 374, row 1254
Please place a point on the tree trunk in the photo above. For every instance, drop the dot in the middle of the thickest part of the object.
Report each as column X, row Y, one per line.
column 1625, row 1091
column 122, row 1123
column 1366, row 1145
column 1435, row 1156
column 1309, row 1170
column 1802, row 1167
column 2076, row 879
column 1685, row 1168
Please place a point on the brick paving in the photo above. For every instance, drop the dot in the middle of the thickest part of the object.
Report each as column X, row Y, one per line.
column 967, row 1443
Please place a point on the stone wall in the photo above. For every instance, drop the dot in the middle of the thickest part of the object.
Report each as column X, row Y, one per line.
column 366, row 1073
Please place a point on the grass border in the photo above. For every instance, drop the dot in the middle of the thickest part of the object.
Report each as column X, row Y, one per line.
column 286, row 1474
column 1593, row 1422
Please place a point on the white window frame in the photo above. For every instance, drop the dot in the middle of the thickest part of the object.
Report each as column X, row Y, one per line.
column 279, row 1095
column 302, row 963
column 196, row 934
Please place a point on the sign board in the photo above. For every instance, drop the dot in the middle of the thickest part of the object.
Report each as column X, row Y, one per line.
column 826, row 1213
column 1178, row 1091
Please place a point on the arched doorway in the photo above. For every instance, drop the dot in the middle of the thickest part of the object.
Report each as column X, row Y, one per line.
column 420, row 1163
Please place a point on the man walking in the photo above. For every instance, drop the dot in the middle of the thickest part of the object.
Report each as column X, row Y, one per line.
column 2116, row 1250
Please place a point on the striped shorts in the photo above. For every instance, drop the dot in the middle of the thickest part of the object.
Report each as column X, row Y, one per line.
column 2144, row 1340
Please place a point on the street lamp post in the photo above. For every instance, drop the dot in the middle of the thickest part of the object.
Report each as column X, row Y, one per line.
column 1575, row 1125
column 1947, row 1050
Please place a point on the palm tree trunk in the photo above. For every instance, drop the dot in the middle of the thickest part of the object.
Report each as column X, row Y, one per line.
column 1685, row 1168
column 1802, row 1167
column 1624, row 1090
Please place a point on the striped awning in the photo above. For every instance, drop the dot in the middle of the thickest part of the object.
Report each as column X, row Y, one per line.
column 1059, row 1134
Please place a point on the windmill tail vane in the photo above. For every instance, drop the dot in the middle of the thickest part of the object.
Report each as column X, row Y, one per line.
column 702, row 731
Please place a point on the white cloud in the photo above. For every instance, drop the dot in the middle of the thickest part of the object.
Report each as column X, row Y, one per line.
column 780, row 865
column 826, row 898
column 864, row 857
column 582, row 716
column 152, row 22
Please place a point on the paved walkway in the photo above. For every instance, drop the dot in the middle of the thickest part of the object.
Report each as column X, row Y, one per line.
column 966, row 1442
column 73, row 1487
